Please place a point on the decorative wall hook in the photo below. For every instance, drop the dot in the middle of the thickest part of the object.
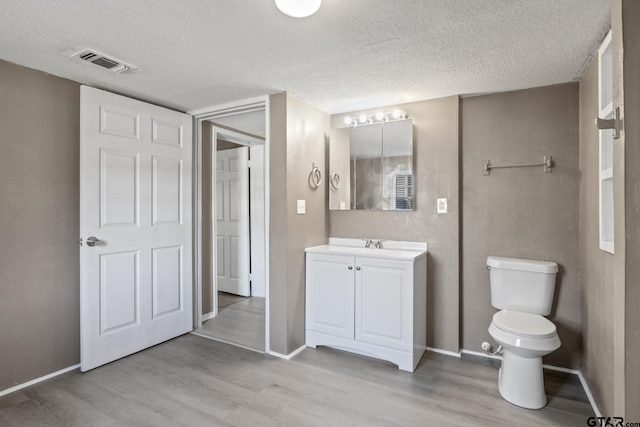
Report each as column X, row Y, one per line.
column 615, row 123
column 315, row 177
column 335, row 181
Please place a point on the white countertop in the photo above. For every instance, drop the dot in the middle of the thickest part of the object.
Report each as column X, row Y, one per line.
column 406, row 251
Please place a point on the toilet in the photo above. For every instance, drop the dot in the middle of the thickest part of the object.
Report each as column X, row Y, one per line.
column 522, row 289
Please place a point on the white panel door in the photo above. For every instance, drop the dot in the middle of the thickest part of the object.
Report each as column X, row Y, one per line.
column 383, row 301
column 232, row 226
column 135, row 199
column 330, row 294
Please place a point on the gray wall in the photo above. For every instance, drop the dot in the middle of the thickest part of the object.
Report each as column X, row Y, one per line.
column 278, row 328
column 611, row 295
column 596, row 266
column 625, row 15
column 631, row 110
column 521, row 212
column 39, row 222
column 435, row 133
column 616, row 279
column 298, row 140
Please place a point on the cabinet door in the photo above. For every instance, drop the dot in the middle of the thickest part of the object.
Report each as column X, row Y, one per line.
column 329, row 294
column 383, row 302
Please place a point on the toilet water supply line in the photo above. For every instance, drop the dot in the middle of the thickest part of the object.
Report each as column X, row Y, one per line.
column 489, row 350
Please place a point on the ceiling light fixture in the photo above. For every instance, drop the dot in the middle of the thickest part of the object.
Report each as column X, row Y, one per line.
column 298, row 8
column 379, row 117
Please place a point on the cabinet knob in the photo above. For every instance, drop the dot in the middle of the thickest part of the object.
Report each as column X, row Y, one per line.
column 357, row 268
column 350, row 267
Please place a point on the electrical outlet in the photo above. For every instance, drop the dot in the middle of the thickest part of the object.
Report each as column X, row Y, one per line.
column 343, row 206
column 301, row 207
column 441, row 205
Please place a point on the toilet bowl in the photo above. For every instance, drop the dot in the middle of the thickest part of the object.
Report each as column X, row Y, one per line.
column 525, row 338
column 522, row 289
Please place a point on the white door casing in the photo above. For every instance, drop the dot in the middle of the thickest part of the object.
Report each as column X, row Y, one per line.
column 232, row 220
column 135, row 197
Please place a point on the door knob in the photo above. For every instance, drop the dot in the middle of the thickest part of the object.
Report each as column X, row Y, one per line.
column 350, row 267
column 357, row 268
column 92, row 241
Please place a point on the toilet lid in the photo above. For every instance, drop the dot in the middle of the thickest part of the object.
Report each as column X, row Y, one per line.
column 526, row 324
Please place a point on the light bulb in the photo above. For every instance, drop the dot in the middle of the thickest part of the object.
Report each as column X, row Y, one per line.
column 362, row 118
column 396, row 114
column 348, row 120
column 298, row 8
column 380, row 116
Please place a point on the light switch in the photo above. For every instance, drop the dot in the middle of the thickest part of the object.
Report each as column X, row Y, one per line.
column 301, row 207
column 441, row 204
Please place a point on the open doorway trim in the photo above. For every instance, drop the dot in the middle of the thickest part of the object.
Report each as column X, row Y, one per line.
column 207, row 114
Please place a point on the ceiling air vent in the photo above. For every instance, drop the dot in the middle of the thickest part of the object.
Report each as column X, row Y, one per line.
column 104, row 61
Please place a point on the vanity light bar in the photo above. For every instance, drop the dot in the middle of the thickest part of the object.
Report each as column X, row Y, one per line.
column 379, row 117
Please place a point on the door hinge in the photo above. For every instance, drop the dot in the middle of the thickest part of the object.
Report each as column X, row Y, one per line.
column 81, row 241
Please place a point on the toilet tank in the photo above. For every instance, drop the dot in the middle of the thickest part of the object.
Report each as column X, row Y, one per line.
column 522, row 284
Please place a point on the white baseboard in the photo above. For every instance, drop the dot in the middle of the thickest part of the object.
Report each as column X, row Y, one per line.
column 447, row 352
column 200, row 334
column 561, row 369
column 587, row 390
column 290, row 355
column 481, row 354
column 207, row 316
column 492, row 356
column 38, row 380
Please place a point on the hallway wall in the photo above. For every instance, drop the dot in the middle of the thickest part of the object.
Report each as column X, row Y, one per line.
column 39, row 223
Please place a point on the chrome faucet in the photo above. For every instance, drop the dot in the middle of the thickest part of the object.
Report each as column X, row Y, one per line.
column 373, row 243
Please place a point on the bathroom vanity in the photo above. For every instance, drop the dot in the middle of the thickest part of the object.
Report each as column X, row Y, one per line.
column 370, row 301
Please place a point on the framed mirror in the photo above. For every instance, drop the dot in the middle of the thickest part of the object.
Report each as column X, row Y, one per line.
column 371, row 167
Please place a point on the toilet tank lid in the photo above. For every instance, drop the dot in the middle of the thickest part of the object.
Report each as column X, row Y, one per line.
column 521, row 264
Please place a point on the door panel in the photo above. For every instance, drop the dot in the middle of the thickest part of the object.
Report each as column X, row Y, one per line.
column 119, row 123
column 119, row 287
column 330, row 294
column 170, row 133
column 135, row 197
column 383, row 297
column 119, row 175
column 167, row 190
column 232, row 226
column 167, row 280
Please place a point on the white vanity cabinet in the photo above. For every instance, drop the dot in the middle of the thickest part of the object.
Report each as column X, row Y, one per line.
column 367, row 301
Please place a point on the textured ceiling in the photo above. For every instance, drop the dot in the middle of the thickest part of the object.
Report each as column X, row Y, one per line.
column 352, row 54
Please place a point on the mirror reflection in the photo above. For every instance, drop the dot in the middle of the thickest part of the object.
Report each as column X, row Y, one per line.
column 371, row 167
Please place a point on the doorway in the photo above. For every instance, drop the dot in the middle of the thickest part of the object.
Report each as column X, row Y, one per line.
column 233, row 292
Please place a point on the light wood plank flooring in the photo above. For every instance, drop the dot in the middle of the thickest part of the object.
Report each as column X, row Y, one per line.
column 193, row 381
column 225, row 299
column 240, row 321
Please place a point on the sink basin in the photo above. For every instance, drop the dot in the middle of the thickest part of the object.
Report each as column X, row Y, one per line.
column 392, row 250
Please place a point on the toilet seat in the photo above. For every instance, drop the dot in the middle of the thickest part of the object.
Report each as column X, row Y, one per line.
column 524, row 324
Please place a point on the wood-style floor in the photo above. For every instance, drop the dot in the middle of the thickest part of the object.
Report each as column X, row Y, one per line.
column 240, row 321
column 193, row 381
